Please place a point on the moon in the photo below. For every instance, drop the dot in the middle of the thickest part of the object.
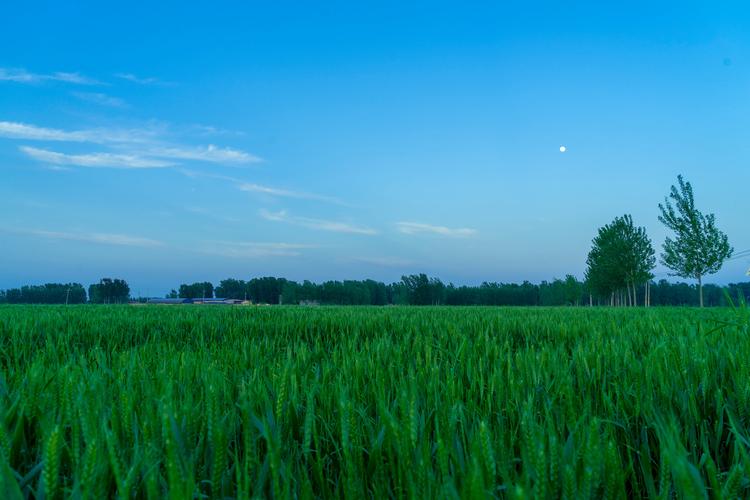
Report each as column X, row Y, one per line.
column 563, row 149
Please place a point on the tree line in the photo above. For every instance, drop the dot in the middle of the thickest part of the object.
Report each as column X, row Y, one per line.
column 107, row 291
column 416, row 289
column 420, row 289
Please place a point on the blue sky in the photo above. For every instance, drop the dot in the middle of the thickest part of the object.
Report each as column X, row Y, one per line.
column 171, row 142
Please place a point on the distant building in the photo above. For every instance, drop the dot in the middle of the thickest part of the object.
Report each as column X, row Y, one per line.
column 169, row 301
column 230, row 302
column 200, row 302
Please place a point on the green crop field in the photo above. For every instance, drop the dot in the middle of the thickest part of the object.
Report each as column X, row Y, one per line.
column 292, row 402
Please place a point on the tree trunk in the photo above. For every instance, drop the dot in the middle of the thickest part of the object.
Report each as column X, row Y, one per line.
column 700, row 289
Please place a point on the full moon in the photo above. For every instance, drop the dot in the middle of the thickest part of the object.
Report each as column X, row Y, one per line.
column 562, row 149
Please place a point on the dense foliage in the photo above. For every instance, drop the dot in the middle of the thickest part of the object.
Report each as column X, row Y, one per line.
column 621, row 259
column 204, row 290
column 109, row 291
column 699, row 248
column 283, row 402
column 49, row 293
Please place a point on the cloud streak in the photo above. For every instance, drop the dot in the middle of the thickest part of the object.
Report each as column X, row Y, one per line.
column 419, row 228
column 210, row 154
column 14, row 130
column 141, row 81
column 101, row 99
column 94, row 160
column 19, row 75
column 132, row 143
column 255, row 249
column 17, row 130
column 249, row 187
column 99, row 238
column 385, row 261
column 317, row 224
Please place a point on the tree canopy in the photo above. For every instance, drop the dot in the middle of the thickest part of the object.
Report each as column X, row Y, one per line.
column 699, row 248
column 201, row 290
column 620, row 258
column 49, row 293
column 109, row 291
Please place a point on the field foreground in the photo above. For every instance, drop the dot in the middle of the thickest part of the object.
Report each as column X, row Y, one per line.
column 285, row 402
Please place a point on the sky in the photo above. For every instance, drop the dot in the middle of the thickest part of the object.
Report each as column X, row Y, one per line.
column 172, row 142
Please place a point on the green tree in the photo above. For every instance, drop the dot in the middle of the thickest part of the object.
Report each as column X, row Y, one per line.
column 573, row 290
column 109, row 291
column 231, row 288
column 266, row 290
column 621, row 257
column 699, row 247
column 422, row 290
column 200, row 290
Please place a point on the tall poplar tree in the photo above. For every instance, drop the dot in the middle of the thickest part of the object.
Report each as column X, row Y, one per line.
column 699, row 247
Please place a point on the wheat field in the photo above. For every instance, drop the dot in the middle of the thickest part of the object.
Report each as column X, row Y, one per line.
column 367, row 402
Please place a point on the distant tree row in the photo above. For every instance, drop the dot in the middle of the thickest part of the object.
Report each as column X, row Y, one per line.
column 50, row 293
column 417, row 289
column 107, row 291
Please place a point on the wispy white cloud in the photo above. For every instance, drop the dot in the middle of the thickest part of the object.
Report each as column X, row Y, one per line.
column 255, row 249
column 210, row 153
column 141, row 81
column 73, row 78
column 94, row 160
column 385, row 261
column 257, row 188
column 16, row 130
column 101, row 238
column 138, row 143
column 250, row 187
column 317, row 224
column 419, row 228
column 101, row 99
column 285, row 193
column 20, row 75
column 210, row 130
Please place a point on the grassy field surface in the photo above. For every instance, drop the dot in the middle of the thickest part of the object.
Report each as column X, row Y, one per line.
column 292, row 402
